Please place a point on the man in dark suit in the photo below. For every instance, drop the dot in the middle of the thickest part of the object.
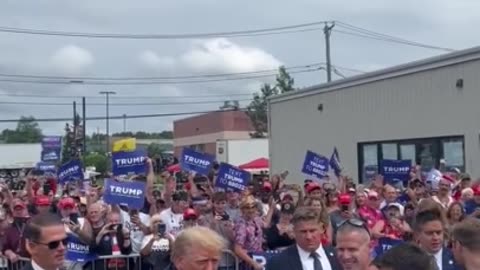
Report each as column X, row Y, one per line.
column 429, row 231
column 46, row 242
column 308, row 252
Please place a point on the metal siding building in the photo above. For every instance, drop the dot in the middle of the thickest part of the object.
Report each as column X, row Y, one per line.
column 399, row 104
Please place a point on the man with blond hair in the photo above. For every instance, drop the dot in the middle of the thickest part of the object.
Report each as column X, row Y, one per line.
column 197, row 248
column 466, row 243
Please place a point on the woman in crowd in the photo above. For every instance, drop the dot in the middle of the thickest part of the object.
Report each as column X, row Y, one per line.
column 156, row 247
column 249, row 228
column 331, row 201
column 280, row 235
column 393, row 226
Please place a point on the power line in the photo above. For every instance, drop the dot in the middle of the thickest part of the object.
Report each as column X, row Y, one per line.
column 264, row 31
column 118, row 116
column 128, row 97
column 365, row 33
column 155, row 82
column 116, row 104
column 80, row 79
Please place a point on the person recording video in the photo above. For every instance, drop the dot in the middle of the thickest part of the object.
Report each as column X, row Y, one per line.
column 156, row 246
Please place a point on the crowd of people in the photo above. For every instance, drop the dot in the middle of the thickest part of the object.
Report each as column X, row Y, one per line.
column 328, row 224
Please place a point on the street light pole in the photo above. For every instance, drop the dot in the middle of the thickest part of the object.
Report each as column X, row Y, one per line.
column 107, row 114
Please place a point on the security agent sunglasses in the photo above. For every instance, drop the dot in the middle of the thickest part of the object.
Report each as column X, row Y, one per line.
column 355, row 222
column 54, row 244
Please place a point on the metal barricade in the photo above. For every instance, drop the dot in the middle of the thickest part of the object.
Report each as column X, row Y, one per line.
column 18, row 265
column 229, row 261
column 116, row 262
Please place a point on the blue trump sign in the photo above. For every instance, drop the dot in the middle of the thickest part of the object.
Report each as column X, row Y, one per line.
column 46, row 167
column 131, row 193
column 196, row 162
column 124, row 163
column 51, row 154
column 52, row 142
column 77, row 251
column 395, row 170
column 230, row 177
column 386, row 243
column 315, row 164
column 262, row 257
column 72, row 170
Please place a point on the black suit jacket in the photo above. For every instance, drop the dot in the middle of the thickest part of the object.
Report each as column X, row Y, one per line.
column 448, row 261
column 28, row 266
column 289, row 259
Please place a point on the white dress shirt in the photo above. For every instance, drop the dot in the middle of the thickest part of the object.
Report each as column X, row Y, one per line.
column 438, row 259
column 307, row 261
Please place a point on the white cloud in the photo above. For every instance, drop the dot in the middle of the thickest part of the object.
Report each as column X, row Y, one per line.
column 222, row 55
column 152, row 60
column 71, row 60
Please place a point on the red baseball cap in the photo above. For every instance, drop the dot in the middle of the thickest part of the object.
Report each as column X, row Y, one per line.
column 344, row 199
column 476, row 191
column 313, row 186
column 190, row 213
column 267, row 186
column 42, row 201
column 66, row 203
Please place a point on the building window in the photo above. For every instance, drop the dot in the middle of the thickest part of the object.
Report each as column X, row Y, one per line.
column 426, row 152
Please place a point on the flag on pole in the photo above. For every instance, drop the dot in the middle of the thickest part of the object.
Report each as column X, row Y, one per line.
column 125, row 145
column 335, row 162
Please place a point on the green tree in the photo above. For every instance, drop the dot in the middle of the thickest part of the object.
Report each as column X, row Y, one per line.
column 97, row 160
column 155, row 150
column 284, row 82
column 27, row 131
column 257, row 110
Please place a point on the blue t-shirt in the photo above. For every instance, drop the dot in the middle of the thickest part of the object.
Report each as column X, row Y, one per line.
column 471, row 206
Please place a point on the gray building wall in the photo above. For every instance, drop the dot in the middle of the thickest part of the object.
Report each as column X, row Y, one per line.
column 414, row 101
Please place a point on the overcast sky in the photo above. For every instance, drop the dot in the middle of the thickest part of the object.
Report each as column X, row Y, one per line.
column 442, row 23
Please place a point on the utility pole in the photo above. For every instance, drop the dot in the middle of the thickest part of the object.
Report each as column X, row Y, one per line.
column 74, row 119
column 84, row 116
column 107, row 114
column 327, row 30
column 124, row 123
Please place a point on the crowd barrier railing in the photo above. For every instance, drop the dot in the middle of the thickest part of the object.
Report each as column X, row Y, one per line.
column 229, row 261
column 18, row 265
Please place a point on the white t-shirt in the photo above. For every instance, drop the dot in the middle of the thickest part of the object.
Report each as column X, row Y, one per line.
column 173, row 222
column 158, row 245
column 136, row 234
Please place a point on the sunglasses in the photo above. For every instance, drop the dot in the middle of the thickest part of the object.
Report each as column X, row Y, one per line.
column 54, row 244
column 355, row 222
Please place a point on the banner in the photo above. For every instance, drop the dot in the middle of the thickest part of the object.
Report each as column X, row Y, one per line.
column 262, row 257
column 124, row 163
column 51, row 149
column 72, row 170
column 230, row 177
column 130, row 193
column 315, row 164
column 385, row 244
column 192, row 160
column 46, row 167
column 51, row 155
column 51, row 142
column 335, row 162
column 77, row 251
column 395, row 170
column 125, row 145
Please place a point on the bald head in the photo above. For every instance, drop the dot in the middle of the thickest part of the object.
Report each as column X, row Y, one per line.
column 360, row 231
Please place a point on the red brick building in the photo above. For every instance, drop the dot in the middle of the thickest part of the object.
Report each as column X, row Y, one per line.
column 202, row 131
